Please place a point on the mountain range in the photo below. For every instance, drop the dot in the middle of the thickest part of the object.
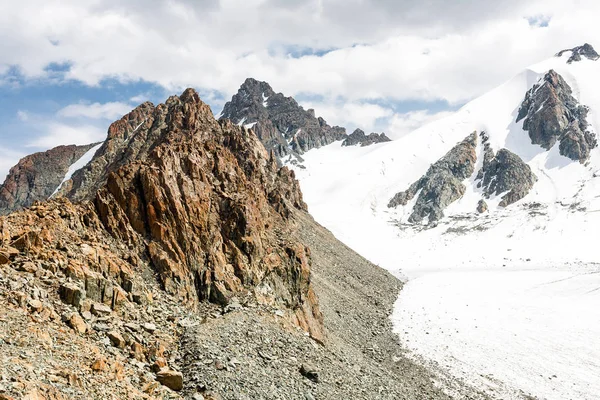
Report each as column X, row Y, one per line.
column 178, row 257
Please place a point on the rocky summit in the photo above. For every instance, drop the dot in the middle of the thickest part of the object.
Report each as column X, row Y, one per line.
column 550, row 113
column 359, row 137
column 181, row 263
column 442, row 184
column 37, row 176
column 585, row 50
column 281, row 124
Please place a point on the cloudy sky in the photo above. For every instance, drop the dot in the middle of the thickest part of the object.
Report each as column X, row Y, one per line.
column 70, row 67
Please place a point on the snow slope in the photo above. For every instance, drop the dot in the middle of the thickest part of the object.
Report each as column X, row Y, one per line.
column 77, row 165
column 506, row 300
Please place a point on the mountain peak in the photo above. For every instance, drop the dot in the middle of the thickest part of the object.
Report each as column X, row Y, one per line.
column 586, row 50
column 280, row 122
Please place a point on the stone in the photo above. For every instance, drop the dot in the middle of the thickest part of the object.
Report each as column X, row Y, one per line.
column 171, row 379
column 4, row 258
column 280, row 123
column 482, row 206
column 101, row 310
column 116, row 339
column 576, row 53
column 71, row 294
column 27, row 267
column 149, row 327
column 36, row 177
column 309, row 372
column 442, row 184
column 35, row 305
column 77, row 323
column 550, row 113
column 100, row 364
column 159, row 364
column 358, row 137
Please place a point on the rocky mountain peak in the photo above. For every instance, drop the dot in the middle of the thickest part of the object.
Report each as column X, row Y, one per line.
column 281, row 124
column 359, row 137
column 550, row 113
column 585, row 50
column 37, row 176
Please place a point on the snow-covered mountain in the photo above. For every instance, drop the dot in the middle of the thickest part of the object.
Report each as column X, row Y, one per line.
column 493, row 215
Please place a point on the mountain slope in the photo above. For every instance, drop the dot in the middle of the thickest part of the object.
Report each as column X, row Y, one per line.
column 280, row 123
column 186, row 250
column 517, row 269
column 37, row 176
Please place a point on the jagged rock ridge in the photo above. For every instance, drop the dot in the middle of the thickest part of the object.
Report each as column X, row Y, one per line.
column 359, row 137
column 281, row 124
column 442, row 184
column 36, row 176
column 550, row 113
column 205, row 201
column 504, row 172
column 586, row 51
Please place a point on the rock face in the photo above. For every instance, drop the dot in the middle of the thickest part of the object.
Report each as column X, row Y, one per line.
column 586, row 51
column 280, row 123
column 36, row 176
column 550, row 113
column 359, row 137
column 206, row 202
column 504, row 172
column 442, row 184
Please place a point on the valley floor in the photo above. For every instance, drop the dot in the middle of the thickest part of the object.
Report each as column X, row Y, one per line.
column 506, row 301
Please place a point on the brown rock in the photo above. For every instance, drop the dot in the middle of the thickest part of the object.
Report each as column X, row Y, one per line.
column 159, row 364
column 27, row 267
column 71, row 294
column 171, row 379
column 77, row 323
column 35, row 305
column 99, row 364
column 116, row 339
column 36, row 177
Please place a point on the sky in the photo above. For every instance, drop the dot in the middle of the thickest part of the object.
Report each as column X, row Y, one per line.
column 68, row 68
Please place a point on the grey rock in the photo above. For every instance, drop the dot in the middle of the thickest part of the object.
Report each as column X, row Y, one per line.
column 550, row 113
column 281, row 124
column 482, row 206
column 310, row 372
column 506, row 172
column 100, row 309
column 442, row 184
column 71, row 294
column 359, row 137
column 586, row 51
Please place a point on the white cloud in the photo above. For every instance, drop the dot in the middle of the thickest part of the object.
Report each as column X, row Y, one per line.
column 351, row 114
column 110, row 111
column 411, row 49
column 401, row 124
column 22, row 115
column 57, row 133
column 391, row 50
column 8, row 158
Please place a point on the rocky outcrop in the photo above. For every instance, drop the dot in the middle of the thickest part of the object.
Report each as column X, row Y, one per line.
column 482, row 206
column 280, row 123
column 504, row 172
column 359, row 137
column 586, row 51
column 207, row 203
column 37, row 176
column 550, row 113
column 442, row 184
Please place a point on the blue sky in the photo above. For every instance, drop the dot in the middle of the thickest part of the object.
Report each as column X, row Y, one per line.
column 68, row 68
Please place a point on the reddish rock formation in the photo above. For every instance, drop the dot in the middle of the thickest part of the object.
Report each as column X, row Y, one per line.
column 36, row 176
